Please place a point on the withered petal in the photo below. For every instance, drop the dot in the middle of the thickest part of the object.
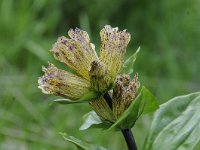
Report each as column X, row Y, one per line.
column 113, row 48
column 76, row 52
column 100, row 78
column 124, row 92
column 59, row 82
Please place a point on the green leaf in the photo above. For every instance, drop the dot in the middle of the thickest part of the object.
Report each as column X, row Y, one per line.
column 144, row 103
column 81, row 145
column 127, row 67
column 91, row 95
column 92, row 120
column 197, row 147
column 176, row 125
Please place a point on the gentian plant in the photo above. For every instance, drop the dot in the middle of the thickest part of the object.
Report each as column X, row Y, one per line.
column 104, row 82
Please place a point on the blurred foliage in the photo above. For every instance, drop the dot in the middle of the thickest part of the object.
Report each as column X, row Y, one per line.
column 168, row 63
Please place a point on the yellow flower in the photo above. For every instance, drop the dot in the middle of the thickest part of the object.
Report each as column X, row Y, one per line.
column 93, row 72
column 124, row 92
column 59, row 82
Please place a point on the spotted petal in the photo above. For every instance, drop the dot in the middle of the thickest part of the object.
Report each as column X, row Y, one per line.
column 124, row 93
column 100, row 78
column 76, row 52
column 102, row 109
column 113, row 48
column 59, row 82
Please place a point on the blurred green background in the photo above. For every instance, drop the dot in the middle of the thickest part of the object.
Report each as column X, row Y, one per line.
column 168, row 63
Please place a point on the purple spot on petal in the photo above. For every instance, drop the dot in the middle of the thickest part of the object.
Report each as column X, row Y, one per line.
column 57, row 54
column 71, row 47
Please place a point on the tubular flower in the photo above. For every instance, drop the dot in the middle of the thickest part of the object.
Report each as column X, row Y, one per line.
column 102, row 109
column 124, row 92
column 59, row 82
column 93, row 72
column 113, row 48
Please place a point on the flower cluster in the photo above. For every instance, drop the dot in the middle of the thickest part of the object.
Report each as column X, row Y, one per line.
column 93, row 73
column 124, row 92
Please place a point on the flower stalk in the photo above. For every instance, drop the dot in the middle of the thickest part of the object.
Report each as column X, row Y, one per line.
column 130, row 141
column 128, row 135
column 108, row 99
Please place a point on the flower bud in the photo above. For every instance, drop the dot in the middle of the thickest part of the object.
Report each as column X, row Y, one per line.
column 100, row 78
column 124, row 93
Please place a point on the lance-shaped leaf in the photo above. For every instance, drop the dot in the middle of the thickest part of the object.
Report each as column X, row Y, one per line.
column 144, row 103
column 176, row 125
column 81, row 145
column 127, row 67
column 89, row 96
column 92, row 120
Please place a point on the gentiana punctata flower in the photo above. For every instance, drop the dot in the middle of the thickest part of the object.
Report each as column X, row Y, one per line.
column 93, row 72
column 124, row 92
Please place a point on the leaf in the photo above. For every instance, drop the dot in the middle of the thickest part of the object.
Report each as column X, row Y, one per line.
column 92, row 120
column 81, row 145
column 144, row 103
column 127, row 67
column 176, row 125
column 91, row 95
column 197, row 147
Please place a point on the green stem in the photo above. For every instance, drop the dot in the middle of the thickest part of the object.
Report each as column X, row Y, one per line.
column 128, row 135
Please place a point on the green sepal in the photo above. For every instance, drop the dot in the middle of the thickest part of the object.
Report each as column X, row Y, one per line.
column 127, row 67
column 81, row 145
column 91, row 95
column 144, row 103
column 176, row 125
column 92, row 120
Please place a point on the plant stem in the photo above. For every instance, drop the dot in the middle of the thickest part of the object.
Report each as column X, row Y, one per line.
column 130, row 141
column 128, row 135
column 108, row 99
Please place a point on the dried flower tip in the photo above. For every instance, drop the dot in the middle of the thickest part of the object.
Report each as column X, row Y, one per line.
column 77, row 52
column 113, row 48
column 59, row 82
column 124, row 93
